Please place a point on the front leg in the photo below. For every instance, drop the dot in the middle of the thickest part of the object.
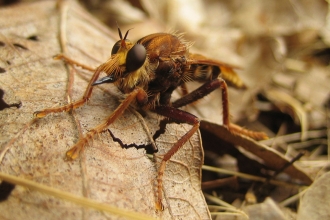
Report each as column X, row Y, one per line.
column 138, row 94
column 73, row 62
column 73, row 105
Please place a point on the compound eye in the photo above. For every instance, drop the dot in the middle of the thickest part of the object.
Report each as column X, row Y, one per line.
column 135, row 57
column 115, row 47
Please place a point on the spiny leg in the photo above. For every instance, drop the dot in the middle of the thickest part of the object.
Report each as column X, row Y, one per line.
column 73, row 105
column 138, row 94
column 256, row 135
column 73, row 62
column 178, row 116
column 206, row 89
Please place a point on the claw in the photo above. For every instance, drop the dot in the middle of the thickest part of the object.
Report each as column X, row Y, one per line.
column 39, row 114
column 159, row 205
column 73, row 153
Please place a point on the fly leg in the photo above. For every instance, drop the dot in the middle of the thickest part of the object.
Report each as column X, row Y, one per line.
column 206, row 89
column 203, row 91
column 73, row 105
column 73, row 62
column 138, row 94
column 178, row 116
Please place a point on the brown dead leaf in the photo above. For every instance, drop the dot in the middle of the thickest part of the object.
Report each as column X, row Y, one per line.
column 183, row 174
column 35, row 150
column 182, row 179
column 269, row 157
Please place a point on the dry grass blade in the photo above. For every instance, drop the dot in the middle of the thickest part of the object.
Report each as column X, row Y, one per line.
column 271, row 158
column 85, row 202
column 231, row 210
column 284, row 101
column 247, row 176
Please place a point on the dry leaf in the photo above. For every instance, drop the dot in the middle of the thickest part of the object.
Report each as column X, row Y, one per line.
column 268, row 156
column 35, row 150
column 275, row 42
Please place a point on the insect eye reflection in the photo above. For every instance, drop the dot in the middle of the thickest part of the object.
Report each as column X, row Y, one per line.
column 135, row 57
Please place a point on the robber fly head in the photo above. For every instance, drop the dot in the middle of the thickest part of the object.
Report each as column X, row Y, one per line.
column 126, row 58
